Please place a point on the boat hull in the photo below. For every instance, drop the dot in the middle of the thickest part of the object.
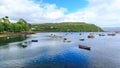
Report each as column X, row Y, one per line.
column 84, row 47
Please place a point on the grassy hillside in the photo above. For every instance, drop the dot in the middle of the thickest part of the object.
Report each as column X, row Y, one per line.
column 66, row 26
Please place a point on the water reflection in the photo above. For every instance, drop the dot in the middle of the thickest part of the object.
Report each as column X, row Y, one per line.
column 53, row 52
column 6, row 40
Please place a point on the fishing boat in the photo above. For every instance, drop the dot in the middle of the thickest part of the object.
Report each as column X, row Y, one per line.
column 84, row 47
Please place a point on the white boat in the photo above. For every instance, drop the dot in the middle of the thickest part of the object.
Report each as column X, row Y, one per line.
column 81, row 38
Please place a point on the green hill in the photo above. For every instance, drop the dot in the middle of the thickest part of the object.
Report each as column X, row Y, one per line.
column 66, row 26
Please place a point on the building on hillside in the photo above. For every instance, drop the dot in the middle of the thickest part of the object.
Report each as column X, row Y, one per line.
column 2, row 20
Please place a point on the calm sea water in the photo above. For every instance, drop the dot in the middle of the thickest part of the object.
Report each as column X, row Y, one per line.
column 53, row 52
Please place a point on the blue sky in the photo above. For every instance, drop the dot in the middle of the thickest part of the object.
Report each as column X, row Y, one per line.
column 70, row 5
column 104, row 13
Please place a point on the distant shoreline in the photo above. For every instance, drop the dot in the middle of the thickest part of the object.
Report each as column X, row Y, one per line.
column 16, row 34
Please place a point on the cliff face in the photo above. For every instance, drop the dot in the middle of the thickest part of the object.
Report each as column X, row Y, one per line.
column 67, row 26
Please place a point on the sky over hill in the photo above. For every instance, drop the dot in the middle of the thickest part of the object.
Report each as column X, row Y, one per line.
column 103, row 13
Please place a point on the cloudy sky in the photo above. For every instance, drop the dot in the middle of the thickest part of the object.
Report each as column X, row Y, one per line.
column 104, row 13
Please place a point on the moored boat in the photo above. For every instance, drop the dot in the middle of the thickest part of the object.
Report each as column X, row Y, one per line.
column 65, row 40
column 34, row 40
column 24, row 44
column 112, row 34
column 84, row 47
column 101, row 34
column 91, row 35
column 81, row 38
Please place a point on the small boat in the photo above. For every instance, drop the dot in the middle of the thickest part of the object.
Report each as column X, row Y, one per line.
column 24, row 44
column 34, row 40
column 112, row 34
column 55, row 36
column 101, row 34
column 65, row 40
column 91, row 36
column 81, row 38
column 84, row 47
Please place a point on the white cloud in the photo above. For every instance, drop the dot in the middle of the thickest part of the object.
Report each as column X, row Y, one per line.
column 30, row 11
column 99, row 12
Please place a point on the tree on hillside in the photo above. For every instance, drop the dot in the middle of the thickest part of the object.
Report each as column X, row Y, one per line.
column 1, row 27
column 24, row 24
column 21, row 21
column 6, row 17
column 7, row 26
